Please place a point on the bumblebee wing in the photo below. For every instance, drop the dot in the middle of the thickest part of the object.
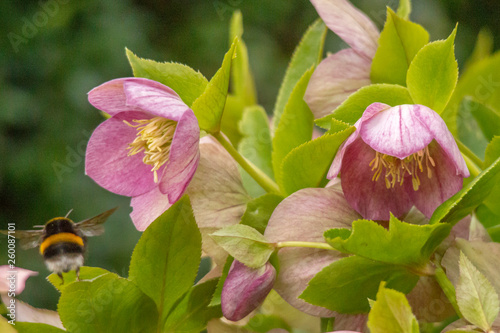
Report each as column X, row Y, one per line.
column 93, row 226
column 29, row 238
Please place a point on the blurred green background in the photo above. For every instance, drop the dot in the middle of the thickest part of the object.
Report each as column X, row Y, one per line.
column 52, row 52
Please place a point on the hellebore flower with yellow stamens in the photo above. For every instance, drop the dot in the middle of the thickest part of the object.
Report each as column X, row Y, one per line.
column 399, row 157
column 150, row 142
column 344, row 72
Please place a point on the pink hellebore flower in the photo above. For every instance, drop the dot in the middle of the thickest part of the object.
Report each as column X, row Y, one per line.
column 399, row 157
column 344, row 72
column 13, row 280
column 150, row 142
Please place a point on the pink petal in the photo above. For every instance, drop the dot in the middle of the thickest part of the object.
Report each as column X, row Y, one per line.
column 397, row 131
column 147, row 207
column 107, row 162
column 443, row 184
column 428, row 301
column 183, row 158
column 154, row 97
column 305, row 216
column 350, row 24
column 335, row 78
column 439, row 131
column 372, row 199
column 245, row 289
column 14, row 277
column 372, row 110
column 110, row 97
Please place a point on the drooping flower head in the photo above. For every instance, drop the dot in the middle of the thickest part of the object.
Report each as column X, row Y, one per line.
column 399, row 157
column 151, row 140
column 13, row 279
column 342, row 73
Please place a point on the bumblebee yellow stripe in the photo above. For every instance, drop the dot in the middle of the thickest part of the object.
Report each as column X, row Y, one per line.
column 62, row 237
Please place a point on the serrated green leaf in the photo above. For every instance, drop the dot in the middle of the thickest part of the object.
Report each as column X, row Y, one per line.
column 468, row 198
column 89, row 306
column 259, row 211
column 433, row 73
column 233, row 111
column 245, row 244
column 185, row 81
column 307, row 165
column 208, row 108
column 403, row 244
column 262, row 323
column 165, row 261
column 24, row 327
column 337, row 126
column 308, row 53
column 295, row 127
column 193, row 311
column 86, row 273
column 469, row 132
column 391, row 312
column 476, row 297
column 404, row 9
column 353, row 107
column 346, row 284
column 255, row 146
column 489, row 211
column 399, row 42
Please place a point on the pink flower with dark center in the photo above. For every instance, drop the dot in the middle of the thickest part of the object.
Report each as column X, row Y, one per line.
column 399, row 157
column 342, row 73
column 150, row 142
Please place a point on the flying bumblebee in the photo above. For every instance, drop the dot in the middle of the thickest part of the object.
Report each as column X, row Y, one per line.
column 62, row 241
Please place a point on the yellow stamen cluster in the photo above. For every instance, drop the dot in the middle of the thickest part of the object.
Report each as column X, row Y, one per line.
column 396, row 169
column 154, row 137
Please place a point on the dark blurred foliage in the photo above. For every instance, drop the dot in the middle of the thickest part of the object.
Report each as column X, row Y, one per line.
column 65, row 48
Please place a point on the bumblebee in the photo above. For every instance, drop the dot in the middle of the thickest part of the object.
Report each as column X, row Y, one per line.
column 62, row 242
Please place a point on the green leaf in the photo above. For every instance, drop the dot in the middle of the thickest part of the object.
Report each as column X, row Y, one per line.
column 403, row 244
column 185, row 81
column 308, row 53
column 482, row 48
column 245, row 244
column 468, row 198
column 476, row 297
column 86, row 273
column 259, row 211
column 193, row 311
column 347, row 284
column 353, row 107
column 307, row 165
column 469, row 131
column 488, row 120
column 404, row 9
column 391, row 312
column 5, row 327
column 216, row 297
column 489, row 211
column 433, row 74
column 24, row 327
column 233, row 111
column 399, row 42
column 295, row 127
column 256, row 146
column 337, row 126
column 166, row 258
column 107, row 304
column 208, row 108
column 261, row 323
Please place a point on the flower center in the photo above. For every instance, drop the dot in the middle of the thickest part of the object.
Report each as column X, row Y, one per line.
column 396, row 169
column 154, row 137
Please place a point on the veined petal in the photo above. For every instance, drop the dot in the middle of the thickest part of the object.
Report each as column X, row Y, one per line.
column 372, row 110
column 439, row 131
column 183, row 158
column 305, row 216
column 350, row 24
column 335, row 78
column 397, row 131
column 372, row 199
column 20, row 274
column 154, row 97
column 107, row 161
column 110, row 97
column 147, row 207
column 443, row 184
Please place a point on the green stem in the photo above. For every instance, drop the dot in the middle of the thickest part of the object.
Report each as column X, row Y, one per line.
column 447, row 286
column 314, row 245
column 469, row 154
column 260, row 177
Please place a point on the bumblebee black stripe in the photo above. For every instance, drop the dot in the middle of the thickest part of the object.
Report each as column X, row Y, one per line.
column 62, row 249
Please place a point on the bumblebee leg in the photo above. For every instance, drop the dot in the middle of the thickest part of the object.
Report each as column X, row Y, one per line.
column 61, row 276
column 77, row 271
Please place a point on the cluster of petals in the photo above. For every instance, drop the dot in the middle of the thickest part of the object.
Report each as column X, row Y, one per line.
column 13, row 279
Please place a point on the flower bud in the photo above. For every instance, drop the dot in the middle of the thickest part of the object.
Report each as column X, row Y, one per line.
column 245, row 289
